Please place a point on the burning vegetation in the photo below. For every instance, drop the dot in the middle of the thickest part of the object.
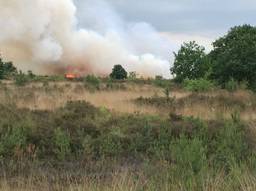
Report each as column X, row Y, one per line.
column 70, row 76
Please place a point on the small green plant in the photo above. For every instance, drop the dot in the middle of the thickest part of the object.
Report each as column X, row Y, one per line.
column 62, row 144
column 189, row 155
column 198, row 85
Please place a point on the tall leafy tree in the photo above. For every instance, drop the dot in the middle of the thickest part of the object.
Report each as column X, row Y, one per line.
column 234, row 55
column 190, row 62
column 118, row 73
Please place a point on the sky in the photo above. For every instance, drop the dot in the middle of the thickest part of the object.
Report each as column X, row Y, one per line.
column 183, row 20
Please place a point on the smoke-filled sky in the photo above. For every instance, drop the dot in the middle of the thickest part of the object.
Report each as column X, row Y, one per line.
column 202, row 20
column 91, row 36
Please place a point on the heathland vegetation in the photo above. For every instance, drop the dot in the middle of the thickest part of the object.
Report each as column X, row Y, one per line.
column 194, row 132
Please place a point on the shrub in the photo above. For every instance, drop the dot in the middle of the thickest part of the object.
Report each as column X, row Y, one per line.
column 92, row 82
column 230, row 145
column 62, row 144
column 11, row 138
column 110, row 145
column 112, row 85
column 161, row 82
column 21, row 79
column 189, row 155
column 199, row 85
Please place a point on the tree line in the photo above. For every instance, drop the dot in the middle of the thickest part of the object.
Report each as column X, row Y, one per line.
column 233, row 58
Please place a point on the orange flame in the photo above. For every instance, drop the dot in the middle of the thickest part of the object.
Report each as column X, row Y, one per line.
column 71, row 76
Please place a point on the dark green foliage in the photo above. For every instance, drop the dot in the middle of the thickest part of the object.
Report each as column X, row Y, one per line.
column 190, row 62
column 6, row 69
column 234, row 56
column 118, row 73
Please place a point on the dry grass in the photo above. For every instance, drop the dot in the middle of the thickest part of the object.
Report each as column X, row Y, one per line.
column 36, row 96
column 126, row 181
column 56, row 94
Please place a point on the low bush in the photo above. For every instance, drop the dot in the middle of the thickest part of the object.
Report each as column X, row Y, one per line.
column 62, row 144
column 198, row 85
column 114, row 85
column 21, row 79
column 189, row 155
column 79, row 133
column 230, row 145
column 92, row 82
column 159, row 81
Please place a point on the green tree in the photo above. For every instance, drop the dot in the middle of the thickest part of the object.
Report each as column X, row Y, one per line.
column 190, row 62
column 6, row 69
column 118, row 73
column 234, row 56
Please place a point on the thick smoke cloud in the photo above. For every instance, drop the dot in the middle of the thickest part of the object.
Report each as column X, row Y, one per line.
column 47, row 37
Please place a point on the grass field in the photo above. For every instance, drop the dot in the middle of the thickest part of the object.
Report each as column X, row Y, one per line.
column 125, row 136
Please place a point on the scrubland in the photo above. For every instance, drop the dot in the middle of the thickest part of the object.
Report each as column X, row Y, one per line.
column 128, row 135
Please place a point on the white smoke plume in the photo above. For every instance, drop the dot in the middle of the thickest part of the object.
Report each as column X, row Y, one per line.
column 46, row 36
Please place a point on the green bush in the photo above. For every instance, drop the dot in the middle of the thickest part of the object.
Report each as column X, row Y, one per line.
column 230, row 145
column 159, row 81
column 62, row 144
column 113, row 85
column 12, row 138
column 92, row 82
column 199, row 85
column 21, row 79
column 189, row 155
column 110, row 146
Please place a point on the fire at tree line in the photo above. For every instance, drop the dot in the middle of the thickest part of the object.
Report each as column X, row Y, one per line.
column 231, row 61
